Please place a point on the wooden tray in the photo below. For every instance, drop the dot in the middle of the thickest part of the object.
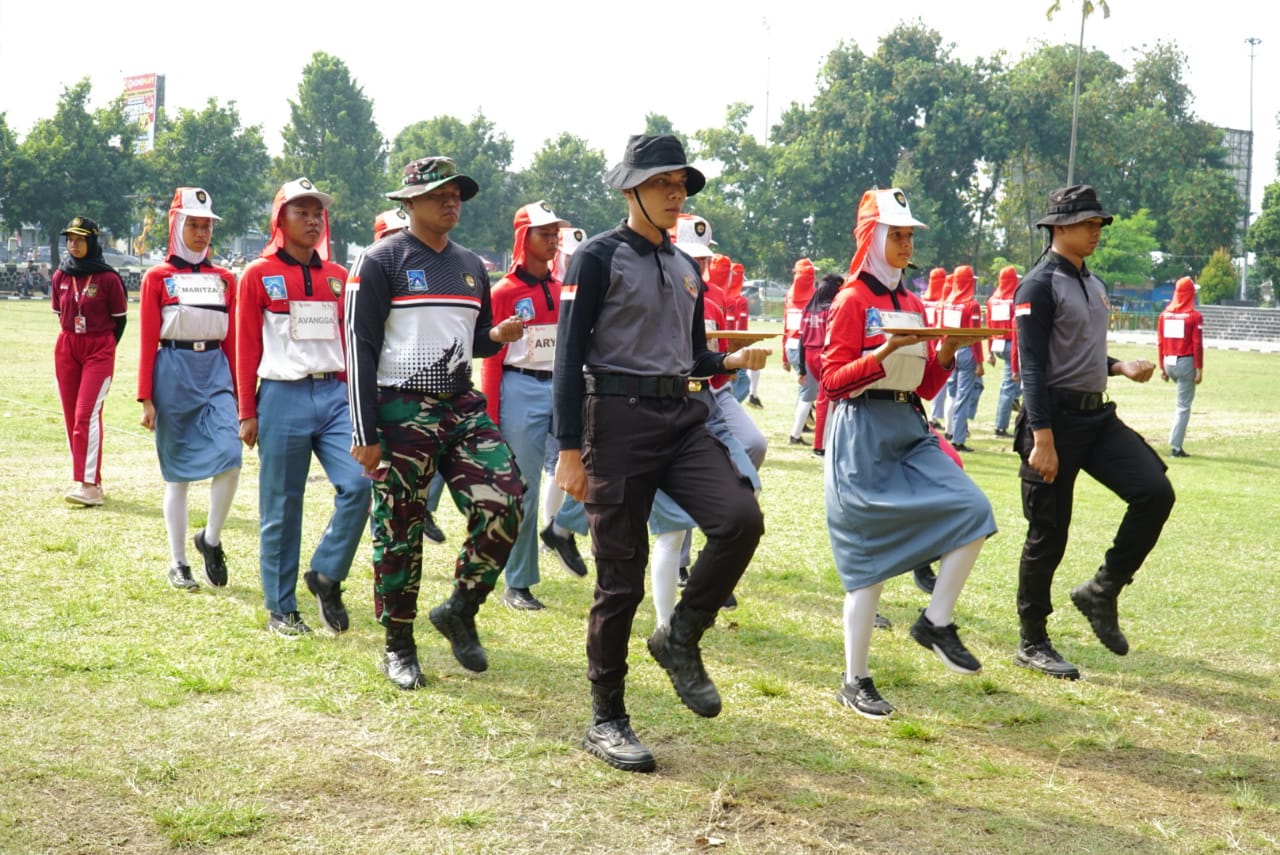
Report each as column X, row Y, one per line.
column 939, row 332
column 741, row 336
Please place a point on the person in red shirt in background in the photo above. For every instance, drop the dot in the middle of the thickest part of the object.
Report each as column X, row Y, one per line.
column 516, row 382
column 813, row 337
column 933, row 301
column 292, row 397
column 1003, row 347
column 962, row 311
column 88, row 297
column 184, row 382
column 798, row 297
column 1180, row 338
column 736, row 317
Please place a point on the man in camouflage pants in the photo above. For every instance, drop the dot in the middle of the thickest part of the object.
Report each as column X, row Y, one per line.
column 417, row 311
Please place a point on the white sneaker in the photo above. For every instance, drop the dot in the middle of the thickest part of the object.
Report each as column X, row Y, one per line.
column 87, row 495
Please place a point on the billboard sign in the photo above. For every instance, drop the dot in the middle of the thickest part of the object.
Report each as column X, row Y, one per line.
column 143, row 96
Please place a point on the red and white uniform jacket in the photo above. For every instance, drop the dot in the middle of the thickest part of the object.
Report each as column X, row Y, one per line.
column 184, row 302
column 288, row 323
column 857, row 314
column 1180, row 334
column 537, row 303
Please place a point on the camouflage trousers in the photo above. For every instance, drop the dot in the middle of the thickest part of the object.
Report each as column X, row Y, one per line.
column 455, row 435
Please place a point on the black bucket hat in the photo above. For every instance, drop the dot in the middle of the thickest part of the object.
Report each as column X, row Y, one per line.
column 1074, row 204
column 647, row 156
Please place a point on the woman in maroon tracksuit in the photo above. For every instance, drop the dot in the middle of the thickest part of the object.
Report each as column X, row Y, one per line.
column 89, row 299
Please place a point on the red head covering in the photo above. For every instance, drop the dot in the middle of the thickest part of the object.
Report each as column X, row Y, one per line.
column 937, row 279
column 1184, row 296
column 291, row 192
column 878, row 206
column 735, row 279
column 718, row 275
column 1007, row 283
column 949, row 288
column 531, row 216
column 802, row 283
column 962, row 291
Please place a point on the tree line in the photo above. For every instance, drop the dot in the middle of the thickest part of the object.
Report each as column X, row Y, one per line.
column 976, row 146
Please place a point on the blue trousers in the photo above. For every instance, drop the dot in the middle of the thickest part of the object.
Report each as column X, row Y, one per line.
column 525, row 422
column 295, row 419
column 1009, row 389
column 966, row 391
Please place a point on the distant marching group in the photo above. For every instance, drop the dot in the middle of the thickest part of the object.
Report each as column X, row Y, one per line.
column 620, row 380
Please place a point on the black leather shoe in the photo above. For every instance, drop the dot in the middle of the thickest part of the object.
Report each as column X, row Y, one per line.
column 328, row 594
column 1040, row 656
column 882, row 622
column 430, row 530
column 401, row 668
column 1002, row 432
column 754, row 402
column 616, row 743
column 1178, row 452
column 521, row 598
column 566, row 549
column 960, row 446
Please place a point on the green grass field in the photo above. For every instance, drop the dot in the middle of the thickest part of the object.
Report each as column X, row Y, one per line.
column 135, row 718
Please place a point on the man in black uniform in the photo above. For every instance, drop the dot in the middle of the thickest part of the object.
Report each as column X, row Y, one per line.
column 1067, row 425
column 629, row 337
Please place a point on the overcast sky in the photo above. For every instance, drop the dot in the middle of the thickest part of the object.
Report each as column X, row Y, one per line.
column 536, row 69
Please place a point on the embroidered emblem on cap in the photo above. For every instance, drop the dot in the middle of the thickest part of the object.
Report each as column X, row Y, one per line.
column 305, row 184
column 700, row 228
column 579, row 235
column 202, row 197
column 544, row 206
column 900, row 198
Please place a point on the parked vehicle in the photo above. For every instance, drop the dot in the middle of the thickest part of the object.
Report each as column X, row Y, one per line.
column 765, row 298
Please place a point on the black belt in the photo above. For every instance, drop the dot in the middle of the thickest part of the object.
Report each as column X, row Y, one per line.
column 197, row 346
column 528, row 372
column 1087, row 402
column 897, row 395
column 642, row 387
column 322, row 375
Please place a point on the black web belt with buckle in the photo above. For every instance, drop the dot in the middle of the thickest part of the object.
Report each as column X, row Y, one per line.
column 197, row 346
column 1086, row 402
column 634, row 386
column 899, row 396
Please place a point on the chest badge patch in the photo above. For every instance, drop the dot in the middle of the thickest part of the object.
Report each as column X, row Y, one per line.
column 417, row 281
column 274, row 286
column 335, row 285
column 873, row 323
column 524, row 309
column 170, row 286
column 91, row 291
column 470, row 280
column 690, row 285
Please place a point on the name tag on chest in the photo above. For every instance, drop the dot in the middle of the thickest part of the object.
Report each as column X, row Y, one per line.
column 1000, row 311
column 199, row 289
column 540, row 340
column 311, row 320
column 952, row 318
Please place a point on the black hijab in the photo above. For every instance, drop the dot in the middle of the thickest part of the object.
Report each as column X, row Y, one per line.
column 93, row 262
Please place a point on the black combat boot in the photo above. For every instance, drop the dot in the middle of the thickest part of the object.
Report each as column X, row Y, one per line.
column 401, row 661
column 610, row 737
column 676, row 649
column 456, row 620
column 1096, row 599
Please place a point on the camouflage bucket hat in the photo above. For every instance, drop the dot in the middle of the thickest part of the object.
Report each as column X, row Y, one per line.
column 428, row 173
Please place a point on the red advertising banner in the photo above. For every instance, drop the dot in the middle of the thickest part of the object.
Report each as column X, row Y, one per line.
column 143, row 95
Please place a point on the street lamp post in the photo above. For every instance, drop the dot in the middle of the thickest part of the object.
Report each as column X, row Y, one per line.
column 1252, row 42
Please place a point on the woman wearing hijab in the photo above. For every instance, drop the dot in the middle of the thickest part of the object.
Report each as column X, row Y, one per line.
column 813, row 335
column 184, row 382
column 894, row 500
column 933, row 302
column 1004, row 346
column 1180, row 337
column 962, row 311
column 89, row 300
